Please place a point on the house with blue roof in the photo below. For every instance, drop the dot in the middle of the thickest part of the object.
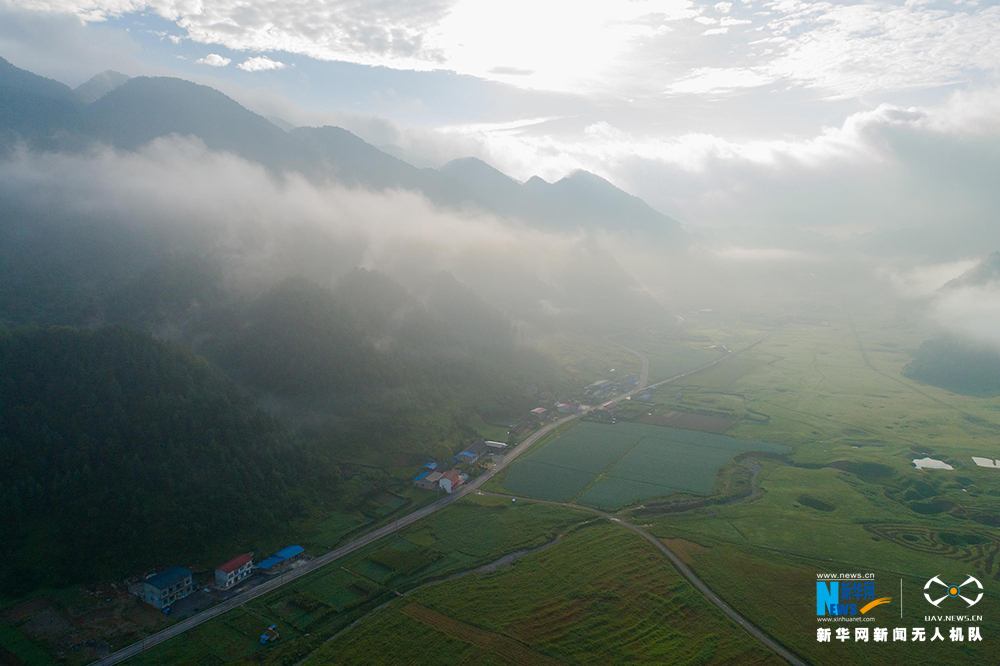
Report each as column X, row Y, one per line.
column 471, row 454
column 283, row 556
column 166, row 587
column 428, row 480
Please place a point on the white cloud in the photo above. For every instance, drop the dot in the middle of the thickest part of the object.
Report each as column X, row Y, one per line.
column 925, row 280
column 971, row 311
column 849, row 50
column 260, row 64
column 214, row 60
column 712, row 80
column 892, row 179
column 613, row 47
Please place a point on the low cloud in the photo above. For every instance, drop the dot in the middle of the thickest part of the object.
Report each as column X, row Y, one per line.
column 893, row 180
column 263, row 227
column 260, row 64
column 215, row 60
column 970, row 312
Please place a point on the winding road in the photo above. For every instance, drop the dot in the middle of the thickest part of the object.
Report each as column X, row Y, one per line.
column 473, row 486
column 684, row 570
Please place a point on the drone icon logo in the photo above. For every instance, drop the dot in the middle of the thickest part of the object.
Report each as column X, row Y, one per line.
column 953, row 591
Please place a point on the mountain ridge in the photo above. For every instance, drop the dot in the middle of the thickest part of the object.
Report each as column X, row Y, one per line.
column 141, row 109
column 980, row 275
column 99, row 85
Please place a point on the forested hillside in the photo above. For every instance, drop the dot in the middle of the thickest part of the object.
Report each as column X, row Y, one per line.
column 121, row 452
column 958, row 366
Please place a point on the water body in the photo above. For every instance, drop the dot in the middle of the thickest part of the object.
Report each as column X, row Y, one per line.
column 985, row 462
column 931, row 463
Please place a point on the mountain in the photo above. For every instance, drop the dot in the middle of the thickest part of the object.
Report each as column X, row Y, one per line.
column 335, row 152
column 122, row 453
column 580, row 200
column 33, row 107
column 128, row 113
column 282, row 123
column 407, row 156
column 959, row 366
column 99, row 85
column 490, row 188
column 145, row 108
column 980, row 275
column 587, row 200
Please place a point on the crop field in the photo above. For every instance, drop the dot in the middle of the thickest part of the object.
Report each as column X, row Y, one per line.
column 608, row 466
column 674, row 418
column 851, row 499
column 468, row 534
column 600, row 596
column 671, row 354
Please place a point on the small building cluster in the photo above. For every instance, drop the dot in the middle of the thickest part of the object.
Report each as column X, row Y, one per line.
column 163, row 589
column 599, row 386
column 441, row 476
column 446, row 477
column 429, row 475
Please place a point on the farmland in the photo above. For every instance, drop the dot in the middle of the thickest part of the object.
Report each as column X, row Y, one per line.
column 847, row 497
column 842, row 495
column 608, row 466
column 468, row 534
column 600, row 596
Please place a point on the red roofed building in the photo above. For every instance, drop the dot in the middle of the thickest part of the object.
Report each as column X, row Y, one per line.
column 234, row 571
column 450, row 481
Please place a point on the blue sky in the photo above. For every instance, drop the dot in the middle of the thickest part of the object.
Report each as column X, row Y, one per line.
column 720, row 113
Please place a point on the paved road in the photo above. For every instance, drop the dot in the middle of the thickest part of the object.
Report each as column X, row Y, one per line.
column 685, row 571
column 312, row 565
column 371, row 537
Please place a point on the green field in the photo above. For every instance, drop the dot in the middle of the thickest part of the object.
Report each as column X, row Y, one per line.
column 468, row 534
column 608, row 466
column 847, row 497
column 601, row 596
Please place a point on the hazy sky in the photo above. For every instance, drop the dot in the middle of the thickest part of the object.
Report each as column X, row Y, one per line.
column 829, row 117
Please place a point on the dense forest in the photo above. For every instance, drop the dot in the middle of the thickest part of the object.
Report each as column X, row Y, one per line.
column 154, row 411
column 959, row 366
column 122, row 452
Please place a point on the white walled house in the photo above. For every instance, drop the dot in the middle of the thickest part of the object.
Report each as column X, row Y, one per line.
column 233, row 571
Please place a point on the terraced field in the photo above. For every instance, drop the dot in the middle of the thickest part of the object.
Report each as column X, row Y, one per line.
column 608, row 466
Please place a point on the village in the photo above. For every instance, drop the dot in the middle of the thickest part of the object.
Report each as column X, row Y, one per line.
column 175, row 591
column 449, row 476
